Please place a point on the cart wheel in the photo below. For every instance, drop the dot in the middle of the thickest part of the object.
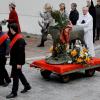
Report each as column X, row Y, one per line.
column 64, row 78
column 45, row 74
column 90, row 72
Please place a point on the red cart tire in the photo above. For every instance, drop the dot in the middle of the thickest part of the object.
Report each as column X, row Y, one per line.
column 89, row 72
column 45, row 74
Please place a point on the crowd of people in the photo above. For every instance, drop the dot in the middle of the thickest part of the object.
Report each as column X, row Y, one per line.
column 17, row 54
column 90, row 21
column 73, row 17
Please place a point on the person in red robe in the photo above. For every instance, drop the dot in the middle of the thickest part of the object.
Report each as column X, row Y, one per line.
column 13, row 17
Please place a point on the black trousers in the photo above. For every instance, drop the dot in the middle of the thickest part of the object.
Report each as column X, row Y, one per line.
column 4, row 77
column 98, row 33
column 43, row 37
column 16, row 75
column 94, row 30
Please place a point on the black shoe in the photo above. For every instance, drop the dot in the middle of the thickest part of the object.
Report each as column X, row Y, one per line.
column 2, row 83
column 11, row 95
column 26, row 89
column 40, row 45
column 97, row 38
column 6, row 84
column 93, row 41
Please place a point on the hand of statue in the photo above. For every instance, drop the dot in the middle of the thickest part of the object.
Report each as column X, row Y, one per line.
column 70, row 24
column 67, row 47
column 19, row 66
column 3, row 22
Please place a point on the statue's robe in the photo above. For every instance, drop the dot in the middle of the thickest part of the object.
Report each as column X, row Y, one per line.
column 65, row 34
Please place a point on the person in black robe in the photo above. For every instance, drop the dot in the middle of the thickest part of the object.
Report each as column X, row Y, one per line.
column 92, row 12
column 97, row 7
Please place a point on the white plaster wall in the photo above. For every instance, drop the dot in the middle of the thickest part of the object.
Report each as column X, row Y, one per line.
column 28, row 11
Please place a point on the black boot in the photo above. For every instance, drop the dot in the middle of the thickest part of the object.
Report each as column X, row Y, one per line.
column 6, row 84
column 40, row 45
column 97, row 38
column 42, row 42
column 2, row 82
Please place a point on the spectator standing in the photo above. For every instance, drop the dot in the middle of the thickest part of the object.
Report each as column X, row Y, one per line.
column 74, row 14
column 97, row 7
column 92, row 12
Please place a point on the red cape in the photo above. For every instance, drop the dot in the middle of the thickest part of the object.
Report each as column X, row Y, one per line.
column 17, row 37
column 3, row 38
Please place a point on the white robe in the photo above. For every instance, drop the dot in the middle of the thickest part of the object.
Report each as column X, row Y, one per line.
column 88, row 29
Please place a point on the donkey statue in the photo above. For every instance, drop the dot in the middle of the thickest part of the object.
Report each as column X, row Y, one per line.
column 59, row 55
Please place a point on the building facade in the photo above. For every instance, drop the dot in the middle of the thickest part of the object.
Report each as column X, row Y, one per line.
column 28, row 11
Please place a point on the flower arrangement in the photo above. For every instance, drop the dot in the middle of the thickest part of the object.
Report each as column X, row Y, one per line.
column 78, row 54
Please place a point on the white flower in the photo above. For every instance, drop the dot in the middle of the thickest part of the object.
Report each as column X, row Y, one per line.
column 86, row 54
column 77, row 46
column 70, row 61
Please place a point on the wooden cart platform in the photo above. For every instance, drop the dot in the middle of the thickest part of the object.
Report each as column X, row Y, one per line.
column 65, row 69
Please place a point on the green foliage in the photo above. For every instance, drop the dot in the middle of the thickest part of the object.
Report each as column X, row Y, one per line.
column 61, row 22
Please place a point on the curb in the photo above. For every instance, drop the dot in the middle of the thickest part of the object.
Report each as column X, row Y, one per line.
column 97, row 47
column 28, row 60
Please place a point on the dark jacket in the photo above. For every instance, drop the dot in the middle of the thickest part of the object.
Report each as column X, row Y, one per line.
column 17, row 53
column 3, row 46
column 97, row 7
column 74, row 16
column 92, row 12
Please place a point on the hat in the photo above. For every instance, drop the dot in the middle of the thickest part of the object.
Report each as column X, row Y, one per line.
column 12, row 5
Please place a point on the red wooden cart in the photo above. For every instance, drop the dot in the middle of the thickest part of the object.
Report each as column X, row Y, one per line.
column 64, row 70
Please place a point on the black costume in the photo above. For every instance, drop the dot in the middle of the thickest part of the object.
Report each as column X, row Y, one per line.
column 97, row 7
column 92, row 12
column 4, row 77
column 17, row 57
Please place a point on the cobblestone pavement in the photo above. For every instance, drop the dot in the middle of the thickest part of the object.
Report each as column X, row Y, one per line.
column 81, row 88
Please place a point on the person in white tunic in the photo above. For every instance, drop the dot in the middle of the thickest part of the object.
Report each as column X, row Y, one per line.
column 86, row 21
